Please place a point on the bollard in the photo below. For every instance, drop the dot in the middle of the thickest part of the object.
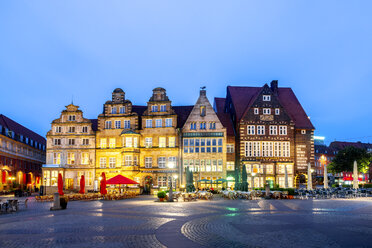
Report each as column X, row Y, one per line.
column 56, row 203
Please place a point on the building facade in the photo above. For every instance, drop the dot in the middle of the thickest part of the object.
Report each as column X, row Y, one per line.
column 273, row 134
column 22, row 153
column 70, row 151
column 159, row 161
column 118, row 139
column 204, row 143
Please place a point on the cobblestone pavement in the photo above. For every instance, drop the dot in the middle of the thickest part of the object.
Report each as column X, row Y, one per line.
column 142, row 222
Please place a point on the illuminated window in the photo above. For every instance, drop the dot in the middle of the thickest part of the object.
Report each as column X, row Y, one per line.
column 162, row 142
column 103, row 143
column 128, row 141
column 172, row 141
column 112, row 142
column 148, row 142
column 230, row 166
column 84, row 158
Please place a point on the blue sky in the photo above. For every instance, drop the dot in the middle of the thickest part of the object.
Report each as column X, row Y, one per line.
column 53, row 50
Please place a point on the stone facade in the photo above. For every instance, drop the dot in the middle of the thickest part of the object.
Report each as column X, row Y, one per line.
column 159, row 160
column 204, row 143
column 70, row 151
column 117, row 138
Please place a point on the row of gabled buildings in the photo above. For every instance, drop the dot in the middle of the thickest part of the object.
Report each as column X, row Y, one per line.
column 263, row 127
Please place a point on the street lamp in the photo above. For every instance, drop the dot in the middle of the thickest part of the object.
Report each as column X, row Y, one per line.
column 170, row 198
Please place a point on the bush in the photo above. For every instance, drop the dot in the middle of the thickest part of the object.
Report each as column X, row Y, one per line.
column 367, row 185
column 161, row 194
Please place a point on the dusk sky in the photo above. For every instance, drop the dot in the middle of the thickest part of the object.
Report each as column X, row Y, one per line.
column 51, row 51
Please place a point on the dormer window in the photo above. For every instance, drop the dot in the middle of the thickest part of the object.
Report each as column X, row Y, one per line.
column 256, row 111
column 277, row 111
column 113, row 110
column 202, row 111
column 266, row 111
column 163, row 108
column 154, row 108
column 266, row 98
column 71, row 117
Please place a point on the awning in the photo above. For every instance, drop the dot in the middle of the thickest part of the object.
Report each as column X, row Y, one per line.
column 119, row 179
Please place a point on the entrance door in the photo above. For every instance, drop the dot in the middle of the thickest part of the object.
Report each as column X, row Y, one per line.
column 69, row 183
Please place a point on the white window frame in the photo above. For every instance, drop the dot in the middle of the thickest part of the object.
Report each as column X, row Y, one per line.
column 149, row 123
column 251, row 130
column 267, row 111
column 260, row 130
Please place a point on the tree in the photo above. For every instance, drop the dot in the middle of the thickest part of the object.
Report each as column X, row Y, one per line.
column 345, row 158
column 244, row 185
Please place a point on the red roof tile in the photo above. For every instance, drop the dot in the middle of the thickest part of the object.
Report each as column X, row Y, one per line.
column 224, row 117
column 20, row 129
column 244, row 97
column 183, row 113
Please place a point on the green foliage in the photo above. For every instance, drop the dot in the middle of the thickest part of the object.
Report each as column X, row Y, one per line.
column 344, row 160
column 367, row 185
column 161, row 194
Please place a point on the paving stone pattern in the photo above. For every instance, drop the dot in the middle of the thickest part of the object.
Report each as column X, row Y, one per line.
column 142, row 222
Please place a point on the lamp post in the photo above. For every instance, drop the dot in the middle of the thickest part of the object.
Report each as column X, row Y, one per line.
column 170, row 198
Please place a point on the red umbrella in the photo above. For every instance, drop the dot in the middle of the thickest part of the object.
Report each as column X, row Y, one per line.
column 103, row 184
column 82, row 185
column 60, row 184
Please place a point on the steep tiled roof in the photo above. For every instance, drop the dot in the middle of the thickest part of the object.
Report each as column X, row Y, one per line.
column 339, row 145
column 19, row 129
column 224, row 117
column 182, row 113
column 243, row 98
column 94, row 124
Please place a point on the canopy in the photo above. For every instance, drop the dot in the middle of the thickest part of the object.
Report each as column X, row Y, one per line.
column 119, row 179
column 205, row 180
column 220, row 180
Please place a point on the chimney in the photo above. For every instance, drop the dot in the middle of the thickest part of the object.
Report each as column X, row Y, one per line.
column 274, row 85
column 203, row 91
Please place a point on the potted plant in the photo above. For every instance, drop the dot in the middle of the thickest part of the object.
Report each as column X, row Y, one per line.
column 161, row 195
column 63, row 202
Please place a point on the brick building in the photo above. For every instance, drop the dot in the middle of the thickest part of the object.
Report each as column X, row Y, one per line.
column 272, row 131
column 22, row 153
